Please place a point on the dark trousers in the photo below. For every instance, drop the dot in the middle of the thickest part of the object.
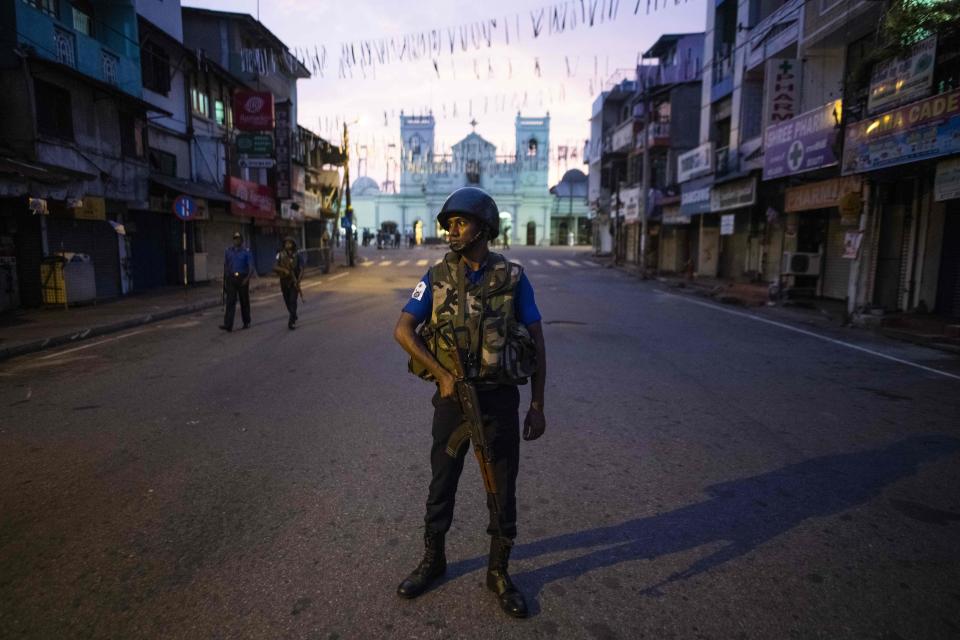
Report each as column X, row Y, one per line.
column 236, row 290
column 290, row 295
column 501, row 406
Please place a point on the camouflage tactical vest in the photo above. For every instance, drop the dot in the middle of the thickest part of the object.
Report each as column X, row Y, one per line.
column 496, row 348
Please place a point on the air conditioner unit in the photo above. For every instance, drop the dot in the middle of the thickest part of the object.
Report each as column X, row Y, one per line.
column 800, row 264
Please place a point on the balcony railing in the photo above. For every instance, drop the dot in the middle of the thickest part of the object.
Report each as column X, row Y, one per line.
column 622, row 138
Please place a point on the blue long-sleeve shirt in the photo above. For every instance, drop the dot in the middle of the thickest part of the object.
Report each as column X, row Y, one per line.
column 237, row 260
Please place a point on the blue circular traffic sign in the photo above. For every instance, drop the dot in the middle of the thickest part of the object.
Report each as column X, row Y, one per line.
column 184, row 207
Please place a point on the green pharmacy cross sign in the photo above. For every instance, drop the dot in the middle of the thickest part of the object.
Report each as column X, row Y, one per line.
column 255, row 144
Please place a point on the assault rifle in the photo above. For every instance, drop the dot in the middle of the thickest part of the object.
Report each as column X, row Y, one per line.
column 472, row 429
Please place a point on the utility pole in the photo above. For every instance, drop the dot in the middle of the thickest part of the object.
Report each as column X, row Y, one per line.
column 645, row 195
column 348, row 214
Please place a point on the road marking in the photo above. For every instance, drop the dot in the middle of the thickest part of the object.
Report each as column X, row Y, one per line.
column 422, row 263
column 403, row 263
column 385, row 263
column 439, row 260
column 535, row 263
column 571, row 263
column 93, row 344
column 366, row 263
column 554, row 263
column 811, row 334
column 590, row 263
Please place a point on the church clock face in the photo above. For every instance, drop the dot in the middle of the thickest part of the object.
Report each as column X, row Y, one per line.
column 529, row 179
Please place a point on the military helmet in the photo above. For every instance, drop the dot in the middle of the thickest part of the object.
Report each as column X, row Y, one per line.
column 474, row 202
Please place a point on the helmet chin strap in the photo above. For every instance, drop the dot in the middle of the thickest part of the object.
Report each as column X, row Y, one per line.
column 459, row 246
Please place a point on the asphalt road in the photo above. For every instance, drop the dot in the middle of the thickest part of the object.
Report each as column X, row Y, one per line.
column 705, row 474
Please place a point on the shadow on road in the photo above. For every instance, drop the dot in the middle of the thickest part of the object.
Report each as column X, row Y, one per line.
column 741, row 514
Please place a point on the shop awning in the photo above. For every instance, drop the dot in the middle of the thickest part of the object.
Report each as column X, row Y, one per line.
column 40, row 171
column 187, row 187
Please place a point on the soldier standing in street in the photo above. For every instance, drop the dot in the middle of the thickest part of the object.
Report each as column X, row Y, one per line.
column 487, row 305
column 290, row 269
column 237, row 269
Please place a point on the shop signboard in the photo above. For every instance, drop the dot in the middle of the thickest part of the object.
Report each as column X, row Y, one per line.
column 255, row 144
column 253, row 110
column 733, row 195
column 282, row 136
column 727, row 223
column 246, row 162
column 672, row 215
column 695, row 163
column 90, row 208
column 903, row 80
column 632, row 204
column 695, row 196
column 819, row 195
column 251, row 199
column 803, row 143
column 926, row 129
column 946, row 184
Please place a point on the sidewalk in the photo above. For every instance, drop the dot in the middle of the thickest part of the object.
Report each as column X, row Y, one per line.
column 927, row 330
column 30, row 330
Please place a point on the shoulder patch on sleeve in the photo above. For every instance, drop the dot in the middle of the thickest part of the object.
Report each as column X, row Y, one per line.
column 419, row 290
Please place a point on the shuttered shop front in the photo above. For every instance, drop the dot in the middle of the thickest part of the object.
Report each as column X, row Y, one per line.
column 95, row 238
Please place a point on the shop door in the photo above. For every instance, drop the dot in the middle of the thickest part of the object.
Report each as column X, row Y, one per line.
column 149, row 257
column 893, row 243
column 836, row 268
column 29, row 245
column 531, row 233
column 948, row 283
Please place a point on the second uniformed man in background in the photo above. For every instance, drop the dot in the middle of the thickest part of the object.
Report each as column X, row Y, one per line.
column 487, row 305
column 290, row 269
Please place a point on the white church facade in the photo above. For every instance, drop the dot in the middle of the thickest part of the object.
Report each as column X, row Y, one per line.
column 518, row 183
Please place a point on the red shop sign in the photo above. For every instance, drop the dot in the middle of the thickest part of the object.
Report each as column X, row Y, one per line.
column 253, row 110
column 252, row 199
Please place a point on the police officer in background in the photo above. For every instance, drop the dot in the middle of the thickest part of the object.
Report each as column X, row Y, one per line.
column 237, row 269
column 489, row 305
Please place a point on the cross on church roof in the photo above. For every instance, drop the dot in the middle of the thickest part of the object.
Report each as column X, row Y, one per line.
column 473, row 123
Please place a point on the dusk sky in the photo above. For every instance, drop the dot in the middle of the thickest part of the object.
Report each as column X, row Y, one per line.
column 573, row 67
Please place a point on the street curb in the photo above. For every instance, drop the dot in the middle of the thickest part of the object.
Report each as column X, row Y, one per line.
column 105, row 329
column 114, row 327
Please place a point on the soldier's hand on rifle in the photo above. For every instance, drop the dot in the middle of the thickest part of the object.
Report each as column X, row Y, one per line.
column 535, row 424
column 446, row 383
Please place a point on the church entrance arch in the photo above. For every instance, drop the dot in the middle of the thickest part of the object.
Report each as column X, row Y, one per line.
column 418, row 231
column 531, row 233
column 506, row 227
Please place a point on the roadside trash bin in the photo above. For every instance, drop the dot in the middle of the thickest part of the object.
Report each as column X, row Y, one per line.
column 68, row 278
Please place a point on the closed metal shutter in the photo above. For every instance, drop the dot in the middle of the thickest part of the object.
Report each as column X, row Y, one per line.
column 836, row 268
column 632, row 242
column 29, row 241
column 95, row 238
column 217, row 238
column 948, row 283
column 148, row 253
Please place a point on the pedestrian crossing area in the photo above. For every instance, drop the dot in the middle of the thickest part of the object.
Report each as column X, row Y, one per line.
column 535, row 263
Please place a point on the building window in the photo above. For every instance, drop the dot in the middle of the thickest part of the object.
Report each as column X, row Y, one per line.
column 219, row 112
column 131, row 135
column 65, row 47
column 111, row 67
column 54, row 113
column 82, row 17
column 49, row 7
column 532, row 148
column 415, row 146
column 199, row 100
column 155, row 68
column 473, row 172
column 163, row 163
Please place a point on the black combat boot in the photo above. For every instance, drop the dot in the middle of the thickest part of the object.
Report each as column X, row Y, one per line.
column 498, row 580
column 433, row 565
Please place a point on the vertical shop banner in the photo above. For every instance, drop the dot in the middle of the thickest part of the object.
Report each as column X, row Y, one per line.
column 253, row 110
column 903, row 80
column 282, row 137
column 804, row 143
column 781, row 90
column 946, row 183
